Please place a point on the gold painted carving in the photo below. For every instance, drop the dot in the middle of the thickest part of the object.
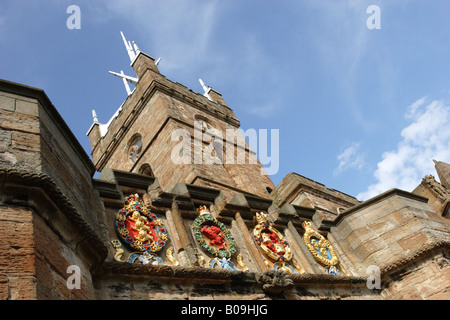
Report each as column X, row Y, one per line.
column 200, row 258
column 270, row 240
column 319, row 247
column 274, row 246
column 119, row 251
column 139, row 228
column 169, row 255
column 240, row 261
column 297, row 266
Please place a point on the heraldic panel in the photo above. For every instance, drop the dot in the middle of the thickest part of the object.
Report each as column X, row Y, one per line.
column 322, row 251
column 274, row 247
column 142, row 233
column 216, row 241
column 143, row 238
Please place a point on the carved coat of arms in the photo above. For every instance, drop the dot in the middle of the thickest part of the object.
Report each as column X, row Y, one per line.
column 322, row 250
column 273, row 244
column 216, row 239
column 139, row 228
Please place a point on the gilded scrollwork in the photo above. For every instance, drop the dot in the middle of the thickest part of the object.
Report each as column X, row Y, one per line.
column 169, row 255
column 119, row 251
column 200, row 258
column 241, row 263
column 322, row 250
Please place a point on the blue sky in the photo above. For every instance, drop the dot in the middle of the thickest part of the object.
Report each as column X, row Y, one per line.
column 360, row 110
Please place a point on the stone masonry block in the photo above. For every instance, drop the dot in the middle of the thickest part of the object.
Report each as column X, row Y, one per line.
column 27, row 107
column 25, row 141
column 413, row 241
column 7, row 103
column 22, row 288
column 16, row 262
column 4, row 290
column 5, row 139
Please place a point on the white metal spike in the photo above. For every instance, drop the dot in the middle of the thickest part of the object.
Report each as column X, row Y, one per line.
column 129, row 48
column 206, row 89
column 125, row 83
column 131, row 80
column 94, row 116
column 136, row 48
column 126, row 79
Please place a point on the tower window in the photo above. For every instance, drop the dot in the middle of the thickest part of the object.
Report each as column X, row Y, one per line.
column 145, row 169
column 135, row 148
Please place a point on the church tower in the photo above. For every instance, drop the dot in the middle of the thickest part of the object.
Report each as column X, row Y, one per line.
column 167, row 130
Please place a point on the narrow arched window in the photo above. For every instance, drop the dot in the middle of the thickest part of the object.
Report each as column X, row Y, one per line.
column 135, row 147
column 145, row 169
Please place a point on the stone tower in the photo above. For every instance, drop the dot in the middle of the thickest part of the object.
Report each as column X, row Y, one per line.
column 165, row 129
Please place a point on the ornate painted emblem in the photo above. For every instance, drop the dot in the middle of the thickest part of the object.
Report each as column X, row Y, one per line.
column 139, row 228
column 322, row 250
column 214, row 238
column 270, row 240
column 273, row 244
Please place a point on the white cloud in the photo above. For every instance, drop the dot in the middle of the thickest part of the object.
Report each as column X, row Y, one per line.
column 351, row 157
column 425, row 139
column 412, row 109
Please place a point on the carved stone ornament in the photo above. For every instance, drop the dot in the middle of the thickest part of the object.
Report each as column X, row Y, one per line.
column 140, row 229
column 322, row 250
column 275, row 282
column 270, row 240
column 169, row 255
column 213, row 236
column 319, row 247
column 119, row 251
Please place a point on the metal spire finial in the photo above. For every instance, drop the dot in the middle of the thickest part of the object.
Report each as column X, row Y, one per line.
column 94, row 116
column 126, row 79
column 132, row 50
column 206, row 89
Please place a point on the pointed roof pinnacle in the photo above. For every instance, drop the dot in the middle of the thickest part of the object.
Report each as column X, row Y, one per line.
column 443, row 171
column 133, row 49
column 132, row 52
column 94, row 116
